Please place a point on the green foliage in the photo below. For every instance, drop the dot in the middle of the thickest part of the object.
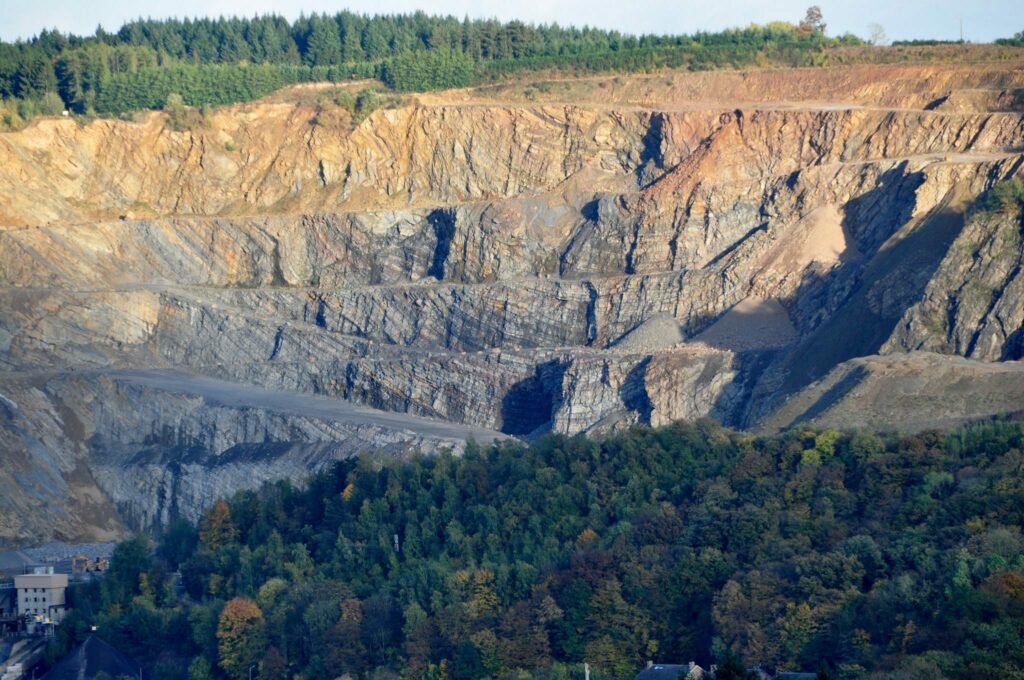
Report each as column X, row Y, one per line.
column 50, row 104
column 200, row 669
column 1005, row 196
column 198, row 85
column 178, row 114
column 130, row 561
column 177, row 542
column 435, row 70
column 731, row 667
column 359, row 106
column 900, row 556
column 10, row 119
column 240, row 637
column 169, row 669
column 1016, row 41
column 366, row 103
column 228, row 60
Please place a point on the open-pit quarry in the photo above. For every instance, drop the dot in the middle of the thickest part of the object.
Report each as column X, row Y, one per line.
column 186, row 313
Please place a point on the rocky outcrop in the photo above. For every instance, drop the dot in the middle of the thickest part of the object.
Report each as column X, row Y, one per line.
column 614, row 391
column 188, row 313
column 50, row 490
column 270, row 158
column 973, row 305
column 161, row 444
column 905, row 392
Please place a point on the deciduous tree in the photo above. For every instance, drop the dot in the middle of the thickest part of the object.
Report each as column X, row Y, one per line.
column 241, row 638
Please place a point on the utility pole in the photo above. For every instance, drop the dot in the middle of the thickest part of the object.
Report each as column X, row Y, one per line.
column 961, row 30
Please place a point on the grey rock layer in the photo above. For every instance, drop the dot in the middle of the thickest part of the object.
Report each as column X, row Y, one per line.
column 498, row 270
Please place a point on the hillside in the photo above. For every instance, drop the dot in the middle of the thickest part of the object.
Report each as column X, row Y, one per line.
column 566, row 255
column 203, row 61
column 894, row 557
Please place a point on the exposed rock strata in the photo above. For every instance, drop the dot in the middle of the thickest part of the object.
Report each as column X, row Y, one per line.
column 161, row 444
column 638, row 255
column 974, row 305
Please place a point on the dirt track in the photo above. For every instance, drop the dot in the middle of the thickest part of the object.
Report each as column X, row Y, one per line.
column 234, row 394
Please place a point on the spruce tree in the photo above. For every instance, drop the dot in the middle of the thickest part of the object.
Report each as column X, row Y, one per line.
column 323, row 45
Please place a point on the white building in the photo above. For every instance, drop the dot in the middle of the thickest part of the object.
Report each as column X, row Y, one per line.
column 41, row 595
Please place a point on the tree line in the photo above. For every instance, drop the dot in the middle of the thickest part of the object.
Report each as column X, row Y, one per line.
column 853, row 555
column 1016, row 41
column 137, row 66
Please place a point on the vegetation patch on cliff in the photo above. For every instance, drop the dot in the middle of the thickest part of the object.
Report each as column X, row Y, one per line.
column 1005, row 196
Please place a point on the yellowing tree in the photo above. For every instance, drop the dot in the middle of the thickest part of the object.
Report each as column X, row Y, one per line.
column 483, row 599
column 241, row 637
column 813, row 21
column 217, row 529
column 587, row 538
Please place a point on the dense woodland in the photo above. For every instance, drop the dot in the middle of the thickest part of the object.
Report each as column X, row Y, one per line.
column 852, row 555
column 215, row 61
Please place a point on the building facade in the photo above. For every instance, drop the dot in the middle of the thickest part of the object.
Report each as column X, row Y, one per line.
column 41, row 596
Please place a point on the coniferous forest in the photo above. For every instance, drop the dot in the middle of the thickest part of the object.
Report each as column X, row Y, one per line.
column 217, row 61
column 850, row 555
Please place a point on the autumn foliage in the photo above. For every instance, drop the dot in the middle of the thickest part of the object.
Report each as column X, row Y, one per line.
column 240, row 637
column 882, row 557
column 217, row 529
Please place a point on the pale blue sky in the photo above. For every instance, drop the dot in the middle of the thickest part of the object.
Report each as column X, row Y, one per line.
column 983, row 20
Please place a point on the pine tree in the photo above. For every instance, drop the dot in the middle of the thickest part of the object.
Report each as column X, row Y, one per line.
column 323, row 44
column 34, row 76
column 69, row 71
column 375, row 44
column 351, row 47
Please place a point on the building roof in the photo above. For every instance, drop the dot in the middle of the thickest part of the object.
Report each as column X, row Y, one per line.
column 665, row 671
column 41, row 581
column 91, row 657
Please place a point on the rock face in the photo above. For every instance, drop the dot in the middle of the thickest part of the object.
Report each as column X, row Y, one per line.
column 917, row 391
column 974, row 304
column 181, row 320
column 159, row 444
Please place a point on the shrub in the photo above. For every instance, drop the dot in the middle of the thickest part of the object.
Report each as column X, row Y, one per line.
column 176, row 111
column 369, row 101
column 1005, row 196
column 345, row 100
column 28, row 109
column 51, row 104
column 9, row 116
